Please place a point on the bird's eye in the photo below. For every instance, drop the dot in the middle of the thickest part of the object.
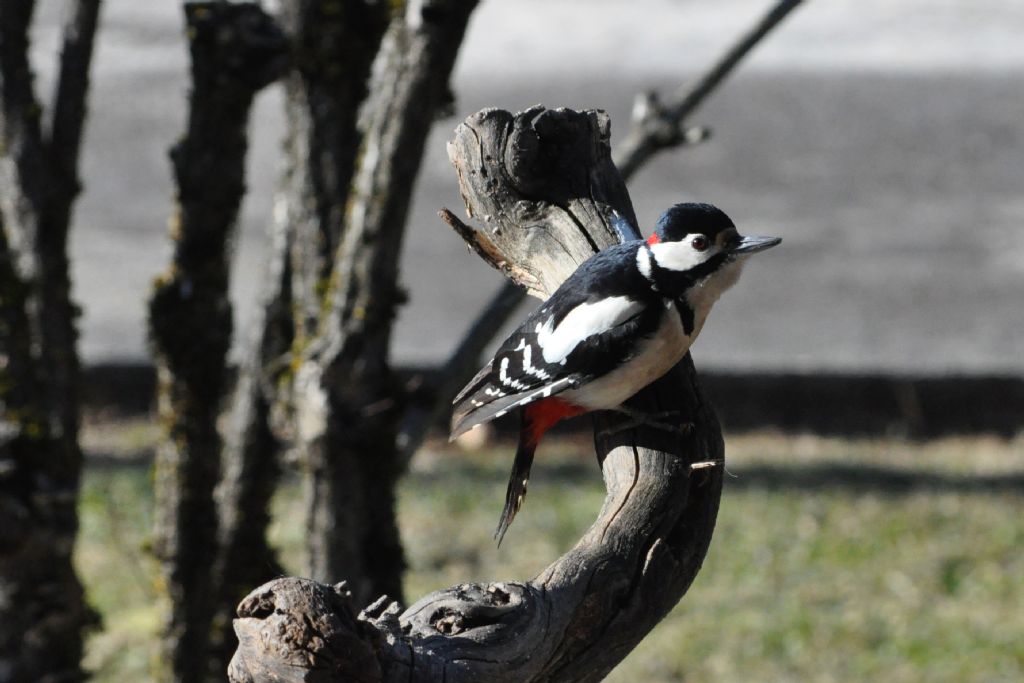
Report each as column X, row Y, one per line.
column 700, row 243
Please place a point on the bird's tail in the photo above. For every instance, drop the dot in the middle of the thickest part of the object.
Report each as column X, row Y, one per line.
column 519, row 477
column 536, row 418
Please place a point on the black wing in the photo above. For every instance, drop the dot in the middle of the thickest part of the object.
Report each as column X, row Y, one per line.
column 606, row 306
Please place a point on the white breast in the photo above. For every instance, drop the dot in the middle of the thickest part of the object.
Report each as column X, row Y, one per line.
column 703, row 295
column 656, row 356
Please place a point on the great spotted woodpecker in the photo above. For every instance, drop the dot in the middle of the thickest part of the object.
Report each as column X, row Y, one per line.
column 625, row 317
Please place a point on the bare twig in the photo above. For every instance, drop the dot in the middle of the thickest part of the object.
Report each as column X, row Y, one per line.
column 22, row 159
column 333, row 43
column 657, row 127
column 68, row 111
column 251, row 456
column 419, row 417
column 476, row 240
column 58, row 310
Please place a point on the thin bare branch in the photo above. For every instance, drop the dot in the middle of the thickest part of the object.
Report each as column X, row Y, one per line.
column 22, row 159
column 420, row 416
column 657, row 127
column 69, row 102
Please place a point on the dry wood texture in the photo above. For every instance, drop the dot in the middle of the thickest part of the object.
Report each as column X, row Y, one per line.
column 542, row 185
column 42, row 611
column 236, row 49
column 346, row 401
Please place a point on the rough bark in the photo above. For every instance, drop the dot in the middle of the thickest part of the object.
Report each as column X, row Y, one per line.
column 38, row 186
column 59, row 312
column 544, row 186
column 332, row 46
column 252, row 462
column 24, row 187
column 345, row 390
column 42, row 611
column 236, row 49
column 333, row 43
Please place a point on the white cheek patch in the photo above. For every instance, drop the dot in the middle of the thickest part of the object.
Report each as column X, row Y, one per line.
column 582, row 322
column 680, row 256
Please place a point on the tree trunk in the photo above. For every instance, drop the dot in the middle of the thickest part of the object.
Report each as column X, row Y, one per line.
column 346, row 404
column 545, row 187
column 331, row 165
column 236, row 49
column 332, row 47
column 333, row 44
column 252, row 462
column 42, row 610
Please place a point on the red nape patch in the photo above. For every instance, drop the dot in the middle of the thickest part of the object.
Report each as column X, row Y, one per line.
column 544, row 414
column 653, row 239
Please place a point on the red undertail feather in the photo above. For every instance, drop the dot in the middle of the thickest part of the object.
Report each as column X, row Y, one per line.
column 545, row 414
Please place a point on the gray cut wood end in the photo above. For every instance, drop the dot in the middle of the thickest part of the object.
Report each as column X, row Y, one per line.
column 541, row 188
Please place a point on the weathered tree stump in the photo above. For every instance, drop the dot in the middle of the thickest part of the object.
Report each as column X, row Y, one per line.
column 543, row 185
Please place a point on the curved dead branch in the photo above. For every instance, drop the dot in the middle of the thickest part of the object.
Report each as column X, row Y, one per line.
column 542, row 186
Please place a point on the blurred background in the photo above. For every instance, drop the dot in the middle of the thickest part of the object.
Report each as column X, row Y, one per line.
column 882, row 139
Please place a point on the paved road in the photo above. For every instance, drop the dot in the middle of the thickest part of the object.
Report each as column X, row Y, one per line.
column 883, row 140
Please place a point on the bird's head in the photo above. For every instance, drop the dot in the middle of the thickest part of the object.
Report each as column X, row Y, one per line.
column 697, row 245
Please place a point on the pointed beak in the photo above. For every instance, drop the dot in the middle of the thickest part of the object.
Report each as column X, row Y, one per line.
column 753, row 244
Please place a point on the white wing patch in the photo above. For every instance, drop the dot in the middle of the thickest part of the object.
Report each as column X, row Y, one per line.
column 653, row 356
column 582, row 322
column 679, row 256
column 543, row 392
column 528, row 364
column 509, row 381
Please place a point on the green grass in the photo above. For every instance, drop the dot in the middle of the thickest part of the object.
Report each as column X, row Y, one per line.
column 833, row 560
column 120, row 576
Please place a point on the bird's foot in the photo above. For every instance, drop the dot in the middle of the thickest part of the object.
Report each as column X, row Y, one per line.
column 638, row 418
